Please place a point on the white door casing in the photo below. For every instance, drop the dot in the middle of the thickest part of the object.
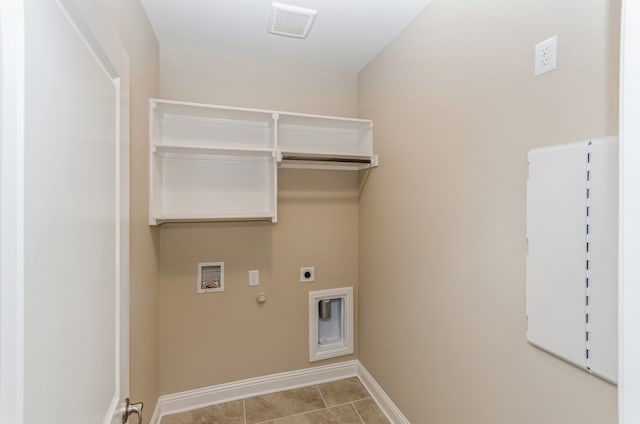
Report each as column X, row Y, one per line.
column 71, row 216
column 11, row 223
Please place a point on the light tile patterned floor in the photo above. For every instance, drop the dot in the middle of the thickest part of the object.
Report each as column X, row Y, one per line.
column 338, row 402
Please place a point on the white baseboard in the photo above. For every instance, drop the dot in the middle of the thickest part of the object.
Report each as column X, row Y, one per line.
column 207, row 396
column 385, row 403
column 155, row 418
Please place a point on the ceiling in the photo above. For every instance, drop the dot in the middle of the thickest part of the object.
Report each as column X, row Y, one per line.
column 346, row 34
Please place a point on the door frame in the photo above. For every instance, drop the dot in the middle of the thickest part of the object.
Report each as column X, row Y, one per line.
column 11, row 210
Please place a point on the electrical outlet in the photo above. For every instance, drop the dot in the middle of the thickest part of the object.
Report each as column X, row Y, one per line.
column 546, row 56
column 307, row 274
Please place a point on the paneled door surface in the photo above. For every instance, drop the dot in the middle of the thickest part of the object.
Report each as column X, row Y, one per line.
column 71, row 221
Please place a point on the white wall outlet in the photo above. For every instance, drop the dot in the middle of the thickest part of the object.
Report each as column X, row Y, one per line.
column 546, row 56
column 254, row 277
column 307, row 274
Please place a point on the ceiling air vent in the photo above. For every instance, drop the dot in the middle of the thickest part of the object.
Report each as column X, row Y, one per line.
column 290, row 21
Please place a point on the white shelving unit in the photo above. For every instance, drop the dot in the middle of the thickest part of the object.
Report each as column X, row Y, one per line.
column 324, row 142
column 210, row 163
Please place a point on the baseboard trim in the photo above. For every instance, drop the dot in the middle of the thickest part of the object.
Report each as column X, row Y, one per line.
column 207, row 396
column 155, row 418
column 199, row 398
column 383, row 400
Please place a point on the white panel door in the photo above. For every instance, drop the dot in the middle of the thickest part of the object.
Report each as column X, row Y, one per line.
column 556, row 250
column 603, row 259
column 75, row 219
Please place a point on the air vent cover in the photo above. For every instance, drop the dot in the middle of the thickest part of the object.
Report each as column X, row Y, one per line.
column 290, row 21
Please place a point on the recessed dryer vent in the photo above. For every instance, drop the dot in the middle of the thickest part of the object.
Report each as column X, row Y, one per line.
column 330, row 323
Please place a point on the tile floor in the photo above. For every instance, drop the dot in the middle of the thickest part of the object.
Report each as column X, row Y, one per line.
column 338, row 402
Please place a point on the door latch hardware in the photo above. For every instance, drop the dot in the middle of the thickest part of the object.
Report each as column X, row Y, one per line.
column 132, row 408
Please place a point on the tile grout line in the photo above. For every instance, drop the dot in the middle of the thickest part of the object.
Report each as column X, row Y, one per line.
column 275, row 420
column 292, row 415
column 295, row 415
column 357, row 412
column 322, row 397
column 244, row 411
column 352, row 401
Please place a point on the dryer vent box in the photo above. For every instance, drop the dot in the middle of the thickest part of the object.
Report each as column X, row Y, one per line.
column 330, row 323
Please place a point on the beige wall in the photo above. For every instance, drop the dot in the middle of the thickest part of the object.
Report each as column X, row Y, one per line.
column 142, row 48
column 208, row 339
column 199, row 76
column 442, row 221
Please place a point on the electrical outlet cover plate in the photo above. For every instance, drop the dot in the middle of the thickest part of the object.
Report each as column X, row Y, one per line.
column 546, row 56
column 254, row 277
column 307, row 274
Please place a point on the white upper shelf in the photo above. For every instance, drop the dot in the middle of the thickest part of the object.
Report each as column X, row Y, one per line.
column 210, row 162
column 195, row 125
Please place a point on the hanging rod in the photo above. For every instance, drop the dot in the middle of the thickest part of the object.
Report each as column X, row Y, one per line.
column 327, row 159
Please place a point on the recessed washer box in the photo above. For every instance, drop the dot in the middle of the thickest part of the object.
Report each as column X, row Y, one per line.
column 210, row 277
